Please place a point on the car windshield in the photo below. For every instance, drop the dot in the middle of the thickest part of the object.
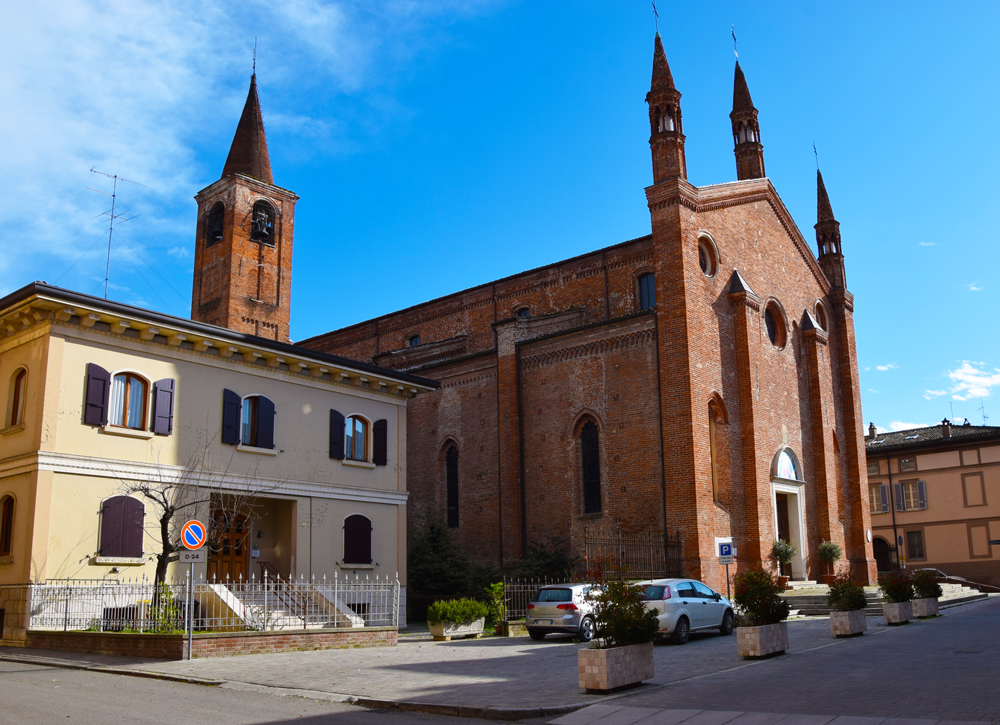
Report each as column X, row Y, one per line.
column 652, row 592
column 553, row 595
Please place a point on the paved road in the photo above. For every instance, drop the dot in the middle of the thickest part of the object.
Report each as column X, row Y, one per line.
column 36, row 695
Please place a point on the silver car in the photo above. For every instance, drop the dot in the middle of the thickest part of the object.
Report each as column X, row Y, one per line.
column 562, row 609
column 686, row 605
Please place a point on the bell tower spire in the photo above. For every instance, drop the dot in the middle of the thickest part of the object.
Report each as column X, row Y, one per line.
column 666, row 140
column 243, row 243
column 746, row 131
column 831, row 257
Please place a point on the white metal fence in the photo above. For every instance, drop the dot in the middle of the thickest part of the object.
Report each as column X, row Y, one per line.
column 271, row 603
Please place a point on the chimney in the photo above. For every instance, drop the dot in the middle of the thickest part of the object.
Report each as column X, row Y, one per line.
column 871, row 430
column 946, row 428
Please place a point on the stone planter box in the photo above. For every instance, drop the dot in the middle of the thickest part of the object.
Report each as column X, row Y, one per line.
column 899, row 613
column 925, row 607
column 604, row 670
column 848, row 624
column 515, row 628
column 755, row 642
column 446, row 631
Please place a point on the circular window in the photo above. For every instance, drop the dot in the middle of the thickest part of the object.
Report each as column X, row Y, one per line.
column 774, row 323
column 708, row 255
column 821, row 316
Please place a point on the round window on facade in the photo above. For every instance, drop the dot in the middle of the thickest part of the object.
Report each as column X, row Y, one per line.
column 774, row 323
column 708, row 255
column 821, row 317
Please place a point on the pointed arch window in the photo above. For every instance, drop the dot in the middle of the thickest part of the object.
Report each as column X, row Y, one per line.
column 262, row 223
column 214, row 224
column 590, row 442
column 451, row 484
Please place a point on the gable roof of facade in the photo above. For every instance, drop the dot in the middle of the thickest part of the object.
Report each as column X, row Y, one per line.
column 929, row 437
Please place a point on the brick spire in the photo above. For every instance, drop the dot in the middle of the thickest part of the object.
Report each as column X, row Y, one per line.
column 666, row 139
column 746, row 131
column 824, row 212
column 831, row 257
column 248, row 154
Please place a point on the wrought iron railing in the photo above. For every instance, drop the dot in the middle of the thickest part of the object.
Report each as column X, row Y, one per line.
column 642, row 555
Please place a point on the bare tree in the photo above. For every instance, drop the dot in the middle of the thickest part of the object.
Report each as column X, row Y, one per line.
column 177, row 494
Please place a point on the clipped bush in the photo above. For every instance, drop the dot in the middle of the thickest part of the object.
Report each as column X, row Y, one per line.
column 459, row 611
column 846, row 595
column 756, row 595
column 925, row 585
column 495, row 602
column 829, row 552
column 896, row 586
column 783, row 551
column 620, row 614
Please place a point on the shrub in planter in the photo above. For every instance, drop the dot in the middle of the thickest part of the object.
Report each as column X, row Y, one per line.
column 829, row 554
column 847, row 597
column 456, row 618
column 762, row 628
column 495, row 605
column 783, row 552
column 621, row 653
column 926, row 591
column 898, row 591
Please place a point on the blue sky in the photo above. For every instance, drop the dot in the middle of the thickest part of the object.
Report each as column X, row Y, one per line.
column 439, row 145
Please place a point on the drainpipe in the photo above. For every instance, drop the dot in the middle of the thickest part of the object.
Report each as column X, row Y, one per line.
column 892, row 508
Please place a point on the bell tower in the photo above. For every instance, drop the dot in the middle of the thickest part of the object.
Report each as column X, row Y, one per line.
column 746, row 131
column 666, row 130
column 243, row 242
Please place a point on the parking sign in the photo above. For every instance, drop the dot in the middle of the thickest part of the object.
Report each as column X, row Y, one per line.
column 725, row 553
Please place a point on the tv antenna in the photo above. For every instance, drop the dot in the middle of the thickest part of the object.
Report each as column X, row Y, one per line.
column 112, row 216
column 982, row 409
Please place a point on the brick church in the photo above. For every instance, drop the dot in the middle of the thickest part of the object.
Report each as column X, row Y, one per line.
column 699, row 383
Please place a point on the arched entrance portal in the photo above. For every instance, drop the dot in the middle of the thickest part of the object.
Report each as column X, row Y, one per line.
column 883, row 554
column 788, row 504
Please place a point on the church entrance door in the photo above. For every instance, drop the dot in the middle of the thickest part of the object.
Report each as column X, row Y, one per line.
column 784, row 533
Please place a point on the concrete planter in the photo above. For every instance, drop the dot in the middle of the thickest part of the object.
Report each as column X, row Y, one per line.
column 446, row 631
column 755, row 642
column 925, row 607
column 899, row 613
column 515, row 628
column 848, row 624
column 604, row 670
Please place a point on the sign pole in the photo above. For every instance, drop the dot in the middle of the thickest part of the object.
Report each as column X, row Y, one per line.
column 728, row 594
column 193, row 535
column 190, row 607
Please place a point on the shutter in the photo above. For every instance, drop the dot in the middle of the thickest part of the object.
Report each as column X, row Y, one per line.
column 922, row 495
column 265, row 422
column 357, row 540
column 230, row 417
column 122, row 521
column 897, row 491
column 336, row 435
column 883, row 491
column 163, row 406
column 95, row 412
column 380, row 442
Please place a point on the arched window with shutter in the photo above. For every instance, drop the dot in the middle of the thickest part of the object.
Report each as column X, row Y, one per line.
column 257, row 422
column 122, row 519
column 590, row 453
column 357, row 540
column 6, row 525
column 451, row 485
column 129, row 400
column 16, row 397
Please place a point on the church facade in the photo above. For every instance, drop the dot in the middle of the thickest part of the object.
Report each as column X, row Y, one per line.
column 696, row 385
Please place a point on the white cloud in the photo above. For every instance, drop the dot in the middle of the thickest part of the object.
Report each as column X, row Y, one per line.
column 890, row 366
column 179, row 252
column 927, row 244
column 931, row 394
column 974, row 287
column 900, row 425
column 867, row 369
column 972, row 380
column 872, row 391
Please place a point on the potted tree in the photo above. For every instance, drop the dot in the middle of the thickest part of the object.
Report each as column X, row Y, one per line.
column 456, row 618
column 829, row 554
column 763, row 630
column 926, row 591
column 847, row 598
column 621, row 653
column 898, row 591
column 783, row 552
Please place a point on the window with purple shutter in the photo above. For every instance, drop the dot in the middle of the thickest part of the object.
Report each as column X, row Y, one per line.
column 230, row 417
column 336, row 435
column 121, row 527
column 380, row 442
column 95, row 409
column 163, row 407
column 357, row 540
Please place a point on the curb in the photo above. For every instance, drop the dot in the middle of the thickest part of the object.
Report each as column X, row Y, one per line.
column 63, row 664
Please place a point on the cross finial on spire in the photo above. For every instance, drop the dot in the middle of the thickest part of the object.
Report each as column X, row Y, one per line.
column 816, row 154
column 656, row 17
column 255, row 55
column 732, row 32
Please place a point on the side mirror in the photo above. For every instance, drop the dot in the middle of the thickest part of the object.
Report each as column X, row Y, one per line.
column 717, row 596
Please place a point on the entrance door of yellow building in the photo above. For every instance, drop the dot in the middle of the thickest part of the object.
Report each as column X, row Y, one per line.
column 227, row 554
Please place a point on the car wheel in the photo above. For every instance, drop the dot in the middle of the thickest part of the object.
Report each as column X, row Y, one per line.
column 536, row 635
column 586, row 632
column 681, row 631
column 728, row 620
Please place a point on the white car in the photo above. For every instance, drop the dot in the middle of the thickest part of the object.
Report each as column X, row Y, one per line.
column 683, row 606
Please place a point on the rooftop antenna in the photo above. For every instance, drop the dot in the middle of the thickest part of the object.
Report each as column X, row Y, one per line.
column 952, row 409
column 111, row 214
column 982, row 409
column 656, row 18
column 732, row 32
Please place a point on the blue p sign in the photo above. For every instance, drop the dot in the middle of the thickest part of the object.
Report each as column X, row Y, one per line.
column 725, row 549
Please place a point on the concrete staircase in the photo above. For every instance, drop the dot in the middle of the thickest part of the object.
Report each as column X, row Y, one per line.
column 809, row 600
column 296, row 610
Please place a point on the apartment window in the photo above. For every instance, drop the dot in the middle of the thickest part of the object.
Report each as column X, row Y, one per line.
column 121, row 527
column 647, row 291
column 451, row 483
column 357, row 540
column 873, row 469
column 6, row 525
column 915, row 545
column 128, row 401
column 907, row 464
column 18, row 385
column 356, row 441
column 910, row 495
column 878, row 496
column 256, row 420
column 591, row 460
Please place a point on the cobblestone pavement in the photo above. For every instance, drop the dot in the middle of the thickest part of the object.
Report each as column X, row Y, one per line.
column 945, row 669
